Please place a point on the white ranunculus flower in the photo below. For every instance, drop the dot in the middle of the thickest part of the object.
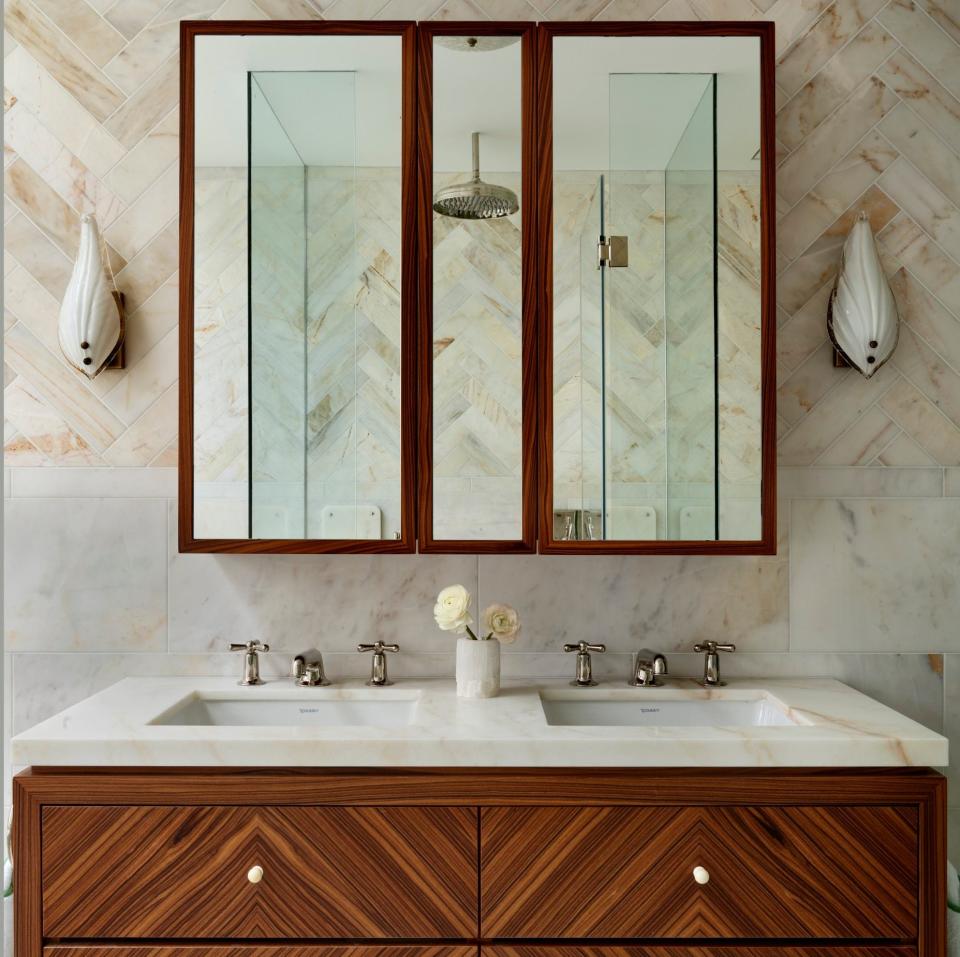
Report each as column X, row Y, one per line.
column 502, row 622
column 452, row 610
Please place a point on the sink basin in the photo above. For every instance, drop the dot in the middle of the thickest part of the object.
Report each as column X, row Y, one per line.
column 381, row 709
column 660, row 709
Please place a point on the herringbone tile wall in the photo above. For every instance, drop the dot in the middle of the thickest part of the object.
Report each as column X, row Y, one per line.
column 865, row 586
column 868, row 117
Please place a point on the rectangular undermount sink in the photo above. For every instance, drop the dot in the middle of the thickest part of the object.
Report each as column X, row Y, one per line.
column 381, row 709
column 659, row 708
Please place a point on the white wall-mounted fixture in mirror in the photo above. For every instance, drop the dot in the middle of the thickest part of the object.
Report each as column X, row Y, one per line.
column 91, row 323
column 862, row 318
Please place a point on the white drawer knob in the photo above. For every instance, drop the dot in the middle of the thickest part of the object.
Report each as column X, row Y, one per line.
column 701, row 875
column 255, row 874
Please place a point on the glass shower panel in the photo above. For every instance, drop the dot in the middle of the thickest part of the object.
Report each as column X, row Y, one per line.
column 691, row 324
column 277, row 250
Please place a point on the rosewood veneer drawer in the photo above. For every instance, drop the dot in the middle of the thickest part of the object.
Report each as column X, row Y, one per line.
column 771, row 872
column 731, row 950
column 180, row 872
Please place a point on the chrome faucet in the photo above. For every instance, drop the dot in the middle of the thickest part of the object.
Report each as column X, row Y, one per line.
column 711, row 661
column 309, row 673
column 584, row 677
column 378, row 666
column 251, row 661
column 648, row 667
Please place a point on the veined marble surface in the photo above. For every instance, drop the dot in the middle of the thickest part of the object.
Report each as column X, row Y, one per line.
column 835, row 727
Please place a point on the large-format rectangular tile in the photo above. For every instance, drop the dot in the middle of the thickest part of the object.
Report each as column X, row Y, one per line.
column 44, row 429
column 838, row 23
column 58, row 167
column 833, row 139
column 106, row 588
column 833, row 414
column 874, row 575
column 149, row 434
column 295, row 602
column 925, row 40
column 78, row 75
column 918, row 197
column 147, row 160
column 148, row 105
column 859, row 482
column 904, row 241
column 926, row 96
column 928, row 153
column 60, row 387
column 85, row 27
column 851, row 177
column 73, row 125
column 923, row 421
column 627, row 601
column 93, row 483
column 155, row 42
column 815, row 101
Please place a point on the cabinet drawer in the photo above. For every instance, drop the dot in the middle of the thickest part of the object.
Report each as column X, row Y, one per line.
column 743, row 950
column 627, row 872
column 169, row 872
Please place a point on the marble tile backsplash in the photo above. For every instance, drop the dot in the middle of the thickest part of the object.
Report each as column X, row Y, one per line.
column 866, row 584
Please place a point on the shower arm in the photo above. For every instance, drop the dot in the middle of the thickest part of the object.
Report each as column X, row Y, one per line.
column 475, row 140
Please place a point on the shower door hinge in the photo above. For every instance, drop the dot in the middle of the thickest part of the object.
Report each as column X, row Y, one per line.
column 612, row 252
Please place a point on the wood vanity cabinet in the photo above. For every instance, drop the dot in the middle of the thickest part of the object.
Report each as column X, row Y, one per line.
column 479, row 863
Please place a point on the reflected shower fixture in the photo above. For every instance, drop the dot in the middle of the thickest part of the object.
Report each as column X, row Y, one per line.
column 862, row 318
column 475, row 199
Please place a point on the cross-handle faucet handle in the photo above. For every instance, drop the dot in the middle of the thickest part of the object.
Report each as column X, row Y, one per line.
column 584, row 646
column 378, row 666
column 711, row 661
column 251, row 661
column 584, row 678
column 711, row 647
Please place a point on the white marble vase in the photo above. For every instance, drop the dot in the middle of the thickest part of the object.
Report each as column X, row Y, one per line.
column 478, row 668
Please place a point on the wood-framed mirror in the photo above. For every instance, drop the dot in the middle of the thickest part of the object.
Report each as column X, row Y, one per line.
column 477, row 301
column 656, row 243
column 297, row 287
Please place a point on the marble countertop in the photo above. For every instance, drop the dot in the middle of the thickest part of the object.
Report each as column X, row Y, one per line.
column 835, row 726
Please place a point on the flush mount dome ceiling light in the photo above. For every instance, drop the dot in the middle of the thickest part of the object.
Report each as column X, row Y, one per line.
column 475, row 44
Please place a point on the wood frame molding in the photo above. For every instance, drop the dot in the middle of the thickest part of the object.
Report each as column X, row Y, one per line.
column 189, row 31
column 537, row 289
column 527, row 543
column 764, row 31
column 919, row 788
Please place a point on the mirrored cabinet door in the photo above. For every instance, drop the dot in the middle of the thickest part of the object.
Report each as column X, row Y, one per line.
column 297, row 303
column 658, row 379
column 476, row 238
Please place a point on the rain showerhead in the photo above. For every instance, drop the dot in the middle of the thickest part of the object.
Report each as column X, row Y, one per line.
column 475, row 199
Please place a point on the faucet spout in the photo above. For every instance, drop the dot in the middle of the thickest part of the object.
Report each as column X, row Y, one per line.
column 649, row 666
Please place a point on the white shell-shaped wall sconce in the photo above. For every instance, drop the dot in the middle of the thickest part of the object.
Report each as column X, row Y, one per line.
column 862, row 320
column 91, row 318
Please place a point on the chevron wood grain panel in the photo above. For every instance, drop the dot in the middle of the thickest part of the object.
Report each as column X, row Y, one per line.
column 263, row 950
column 841, row 872
column 181, row 872
column 683, row 951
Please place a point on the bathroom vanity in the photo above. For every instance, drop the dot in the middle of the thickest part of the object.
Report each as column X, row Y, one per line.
column 175, row 817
